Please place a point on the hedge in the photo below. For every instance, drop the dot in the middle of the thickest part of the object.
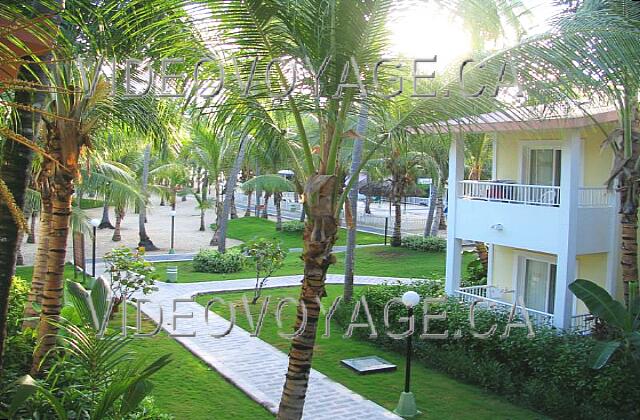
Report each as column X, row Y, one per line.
column 548, row 373
column 212, row 261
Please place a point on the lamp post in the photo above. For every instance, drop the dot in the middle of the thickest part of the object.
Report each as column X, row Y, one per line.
column 95, row 223
column 407, row 404
column 172, row 213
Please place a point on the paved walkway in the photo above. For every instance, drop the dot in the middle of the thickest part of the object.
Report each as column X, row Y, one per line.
column 248, row 362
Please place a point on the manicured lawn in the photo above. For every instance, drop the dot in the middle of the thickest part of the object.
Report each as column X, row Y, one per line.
column 248, row 228
column 371, row 261
column 187, row 388
column 438, row 396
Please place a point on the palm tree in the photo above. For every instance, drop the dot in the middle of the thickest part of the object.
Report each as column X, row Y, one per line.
column 308, row 31
column 356, row 160
column 230, row 187
column 274, row 185
column 32, row 40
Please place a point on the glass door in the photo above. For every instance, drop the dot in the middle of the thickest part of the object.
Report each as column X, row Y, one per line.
column 544, row 170
column 538, row 285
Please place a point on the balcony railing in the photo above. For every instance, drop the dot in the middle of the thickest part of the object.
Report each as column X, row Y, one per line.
column 540, row 195
column 487, row 293
column 595, row 197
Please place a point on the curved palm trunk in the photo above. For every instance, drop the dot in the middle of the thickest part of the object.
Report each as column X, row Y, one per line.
column 430, row 215
column 265, row 212
column 230, row 188
column 105, row 223
column 277, row 200
column 319, row 238
column 117, row 236
column 356, row 159
column 435, row 226
column 145, row 241
column 60, row 182
column 31, row 238
column 40, row 263
column 15, row 171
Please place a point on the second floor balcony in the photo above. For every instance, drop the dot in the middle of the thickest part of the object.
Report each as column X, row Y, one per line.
column 530, row 216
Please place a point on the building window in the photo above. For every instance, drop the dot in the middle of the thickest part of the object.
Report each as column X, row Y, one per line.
column 537, row 284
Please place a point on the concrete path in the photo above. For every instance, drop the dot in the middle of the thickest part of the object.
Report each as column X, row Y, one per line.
column 248, row 362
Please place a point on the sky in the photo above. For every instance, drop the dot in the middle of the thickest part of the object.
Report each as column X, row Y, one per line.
column 426, row 30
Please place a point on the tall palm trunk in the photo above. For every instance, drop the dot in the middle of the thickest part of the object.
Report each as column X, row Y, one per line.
column 397, row 188
column 431, row 213
column 628, row 188
column 435, row 226
column 356, row 159
column 15, row 172
column 117, row 236
column 277, row 201
column 145, row 241
column 40, row 263
column 247, row 212
column 265, row 210
column 105, row 223
column 31, row 238
column 216, row 235
column 60, row 181
column 204, row 185
column 234, row 210
column 258, row 194
column 319, row 237
column 230, row 188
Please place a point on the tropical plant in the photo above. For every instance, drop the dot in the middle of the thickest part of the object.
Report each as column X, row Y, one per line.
column 624, row 323
column 274, row 185
column 267, row 257
column 129, row 273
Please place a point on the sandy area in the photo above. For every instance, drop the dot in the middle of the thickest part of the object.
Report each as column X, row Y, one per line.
column 187, row 236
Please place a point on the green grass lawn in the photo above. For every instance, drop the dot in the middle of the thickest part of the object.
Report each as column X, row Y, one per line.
column 438, row 396
column 371, row 261
column 248, row 228
column 187, row 388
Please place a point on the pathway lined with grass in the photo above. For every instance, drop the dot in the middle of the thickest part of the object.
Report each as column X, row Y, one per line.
column 251, row 364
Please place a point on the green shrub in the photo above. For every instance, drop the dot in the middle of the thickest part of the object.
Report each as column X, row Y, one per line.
column 549, row 372
column 212, row 261
column 477, row 274
column 17, row 300
column 428, row 244
column 293, row 226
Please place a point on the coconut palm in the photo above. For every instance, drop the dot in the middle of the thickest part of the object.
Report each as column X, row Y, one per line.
column 308, row 31
column 356, row 160
column 274, row 185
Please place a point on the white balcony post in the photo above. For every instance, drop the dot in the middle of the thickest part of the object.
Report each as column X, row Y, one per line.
column 454, row 244
column 569, row 197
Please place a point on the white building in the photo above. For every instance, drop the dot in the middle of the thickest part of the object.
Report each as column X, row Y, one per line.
column 548, row 220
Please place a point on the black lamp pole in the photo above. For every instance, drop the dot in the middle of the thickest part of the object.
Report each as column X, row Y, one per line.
column 407, row 377
column 93, row 261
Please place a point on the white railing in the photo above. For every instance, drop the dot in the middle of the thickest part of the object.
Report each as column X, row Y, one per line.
column 582, row 324
column 595, row 197
column 481, row 293
column 540, row 195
